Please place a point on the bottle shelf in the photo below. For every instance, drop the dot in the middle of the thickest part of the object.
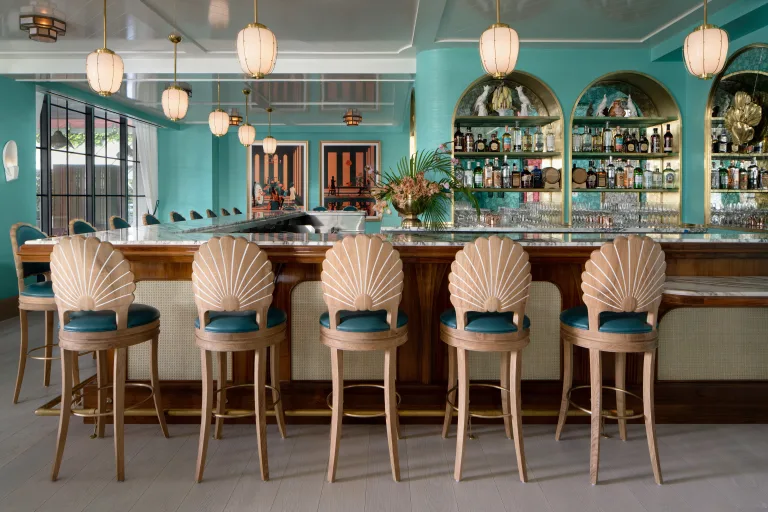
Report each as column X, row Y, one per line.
column 628, row 190
column 730, row 191
column 627, row 122
column 627, row 156
column 525, row 154
column 521, row 190
column 739, row 156
column 502, row 121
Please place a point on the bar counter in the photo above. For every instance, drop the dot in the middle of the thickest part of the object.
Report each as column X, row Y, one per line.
column 163, row 253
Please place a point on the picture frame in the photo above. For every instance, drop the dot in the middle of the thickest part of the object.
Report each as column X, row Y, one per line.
column 345, row 179
column 282, row 178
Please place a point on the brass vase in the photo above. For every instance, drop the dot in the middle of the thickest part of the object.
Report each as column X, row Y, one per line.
column 409, row 211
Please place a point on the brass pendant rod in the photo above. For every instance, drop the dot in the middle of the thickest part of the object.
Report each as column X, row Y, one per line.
column 255, row 11
column 498, row 11
column 105, row 23
column 705, row 11
column 174, row 62
column 218, row 92
column 246, row 92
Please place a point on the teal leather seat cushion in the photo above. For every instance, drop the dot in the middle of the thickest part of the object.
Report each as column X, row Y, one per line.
column 103, row 321
column 42, row 290
column 240, row 321
column 489, row 323
column 81, row 228
column 611, row 322
column 363, row 321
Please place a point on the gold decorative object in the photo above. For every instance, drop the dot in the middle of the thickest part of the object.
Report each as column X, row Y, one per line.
column 501, row 101
column 616, row 109
column 409, row 211
column 742, row 117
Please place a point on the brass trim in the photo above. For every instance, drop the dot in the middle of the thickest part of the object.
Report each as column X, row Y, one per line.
column 475, row 414
column 363, row 414
column 629, row 415
column 94, row 413
column 237, row 413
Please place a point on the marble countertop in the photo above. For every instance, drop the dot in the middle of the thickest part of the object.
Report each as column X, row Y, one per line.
column 483, row 230
column 752, row 286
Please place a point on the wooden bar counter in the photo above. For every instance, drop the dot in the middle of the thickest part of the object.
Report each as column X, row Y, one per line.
column 165, row 253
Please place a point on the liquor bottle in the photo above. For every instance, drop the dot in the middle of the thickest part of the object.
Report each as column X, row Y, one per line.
column 638, row 174
column 458, row 140
column 526, row 179
column 715, row 146
column 611, row 173
column 618, row 140
column 497, row 183
column 602, row 176
column 527, row 141
column 517, row 138
column 478, row 175
column 597, row 140
column 733, row 176
column 647, row 176
column 668, row 141
column 754, row 175
column 743, row 177
column 480, row 144
column 506, row 140
column 722, row 142
column 619, row 181
column 764, row 178
column 469, row 175
column 655, row 141
column 506, row 176
column 643, row 145
column 591, row 176
column 607, row 139
column 586, row 140
column 630, row 144
column 538, row 140
column 551, row 141
column 670, row 180
column 657, row 178
column 577, row 144
column 714, row 177
column 724, row 178
column 516, row 177
column 494, row 146
column 469, row 140
column 488, row 174
column 629, row 175
column 537, row 178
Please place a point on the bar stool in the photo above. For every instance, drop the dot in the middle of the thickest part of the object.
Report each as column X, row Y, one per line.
column 622, row 284
column 224, row 212
column 210, row 213
column 194, row 215
column 116, row 222
column 150, row 220
column 94, row 286
column 362, row 283
column 236, row 211
column 233, row 283
column 489, row 284
column 350, row 209
column 80, row 227
column 177, row 217
column 319, row 209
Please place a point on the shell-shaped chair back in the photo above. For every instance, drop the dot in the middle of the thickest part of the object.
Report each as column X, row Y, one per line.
column 177, row 217
column 319, row 209
column 21, row 233
column 150, row 220
column 80, row 227
column 625, row 275
column 116, row 222
column 210, row 213
column 349, row 209
column 224, row 212
column 232, row 274
column 91, row 275
column 236, row 211
column 193, row 215
column 362, row 273
column 490, row 275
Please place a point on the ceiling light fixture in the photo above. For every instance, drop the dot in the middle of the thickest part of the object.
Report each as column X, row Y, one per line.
column 705, row 49
column 256, row 47
column 246, row 133
column 235, row 119
column 103, row 67
column 175, row 99
column 43, row 22
column 269, row 143
column 218, row 120
column 352, row 117
column 499, row 48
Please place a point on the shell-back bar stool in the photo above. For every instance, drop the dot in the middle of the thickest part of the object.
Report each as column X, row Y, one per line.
column 94, row 286
column 210, row 213
column 150, row 220
column 233, row 283
column 489, row 285
column 224, row 212
column 622, row 284
column 362, row 282
column 236, row 211
column 116, row 222
column 193, row 215
column 80, row 227
column 176, row 217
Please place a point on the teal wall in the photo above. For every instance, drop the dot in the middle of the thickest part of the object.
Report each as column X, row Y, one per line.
column 17, row 198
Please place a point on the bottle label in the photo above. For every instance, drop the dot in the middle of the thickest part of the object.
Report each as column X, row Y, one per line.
column 507, row 144
column 630, row 148
column 644, row 148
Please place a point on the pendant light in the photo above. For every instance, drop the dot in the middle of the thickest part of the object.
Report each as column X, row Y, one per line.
column 218, row 120
column 103, row 67
column 705, row 49
column 175, row 99
column 352, row 117
column 246, row 133
column 235, row 119
column 43, row 22
column 256, row 47
column 269, row 143
column 499, row 48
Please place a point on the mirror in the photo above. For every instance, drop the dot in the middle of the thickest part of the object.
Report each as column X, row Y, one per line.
column 11, row 160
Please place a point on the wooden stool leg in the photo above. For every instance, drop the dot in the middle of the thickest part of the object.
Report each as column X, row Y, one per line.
column 452, row 396
column 649, row 371
column 205, row 412
column 621, row 399
column 567, row 384
column 66, row 407
column 102, row 380
column 596, row 385
column 155, row 379
column 505, row 393
column 221, row 399
column 337, row 368
column 23, row 348
column 463, row 405
column 48, row 348
column 76, row 370
column 515, row 365
column 260, row 365
column 118, row 410
column 274, row 375
column 390, row 405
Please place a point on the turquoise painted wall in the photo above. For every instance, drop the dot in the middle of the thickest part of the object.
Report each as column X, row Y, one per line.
column 17, row 198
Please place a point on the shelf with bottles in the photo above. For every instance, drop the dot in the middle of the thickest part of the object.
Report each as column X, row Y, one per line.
column 625, row 156
column 502, row 121
column 739, row 156
column 528, row 155
column 738, row 191
column 515, row 190
column 625, row 122
column 629, row 190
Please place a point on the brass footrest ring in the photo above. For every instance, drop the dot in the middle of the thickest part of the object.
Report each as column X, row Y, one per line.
column 474, row 414
column 246, row 414
column 109, row 413
column 604, row 414
column 361, row 415
column 52, row 358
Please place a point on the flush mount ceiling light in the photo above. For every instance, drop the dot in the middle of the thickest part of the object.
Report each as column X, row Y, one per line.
column 352, row 117
column 235, row 119
column 43, row 22
column 103, row 67
column 218, row 120
column 269, row 144
column 499, row 48
column 175, row 99
column 256, row 47
column 705, row 49
column 246, row 133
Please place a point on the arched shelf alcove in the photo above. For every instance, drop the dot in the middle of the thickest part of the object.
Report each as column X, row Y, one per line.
column 529, row 193
column 736, row 168
column 613, row 124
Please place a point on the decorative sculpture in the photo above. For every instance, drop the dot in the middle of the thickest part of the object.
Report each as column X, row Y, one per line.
column 480, row 108
column 525, row 103
column 502, row 100
column 741, row 119
column 631, row 110
column 602, row 109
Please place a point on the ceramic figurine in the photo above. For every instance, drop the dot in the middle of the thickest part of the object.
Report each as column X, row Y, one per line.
column 591, row 109
column 525, row 103
column 480, row 108
column 603, row 107
column 630, row 111
column 616, row 109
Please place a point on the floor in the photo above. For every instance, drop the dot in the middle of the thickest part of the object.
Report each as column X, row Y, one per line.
column 706, row 467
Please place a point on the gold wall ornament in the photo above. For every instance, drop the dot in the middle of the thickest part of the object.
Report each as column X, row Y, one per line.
column 742, row 117
column 501, row 101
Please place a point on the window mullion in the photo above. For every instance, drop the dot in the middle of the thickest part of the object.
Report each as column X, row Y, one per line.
column 89, row 165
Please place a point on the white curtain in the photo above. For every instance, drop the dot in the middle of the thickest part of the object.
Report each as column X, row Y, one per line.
column 146, row 140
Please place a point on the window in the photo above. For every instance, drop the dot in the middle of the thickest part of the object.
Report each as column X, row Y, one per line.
column 87, row 166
